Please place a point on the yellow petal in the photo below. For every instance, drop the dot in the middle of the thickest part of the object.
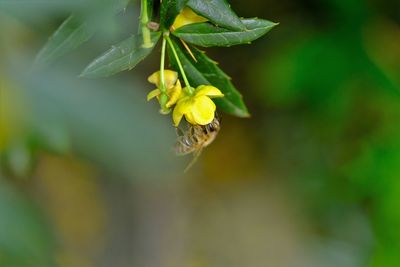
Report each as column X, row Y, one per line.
column 174, row 94
column 189, row 117
column 170, row 78
column 154, row 78
column 187, row 16
column 185, row 104
column 208, row 90
column 177, row 116
column 203, row 110
column 152, row 94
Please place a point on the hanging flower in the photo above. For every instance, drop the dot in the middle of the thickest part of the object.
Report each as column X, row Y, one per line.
column 198, row 108
column 187, row 16
column 172, row 84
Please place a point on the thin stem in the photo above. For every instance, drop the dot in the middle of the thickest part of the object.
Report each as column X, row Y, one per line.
column 191, row 91
column 144, row 19
column 163, row 98
column 162, row 64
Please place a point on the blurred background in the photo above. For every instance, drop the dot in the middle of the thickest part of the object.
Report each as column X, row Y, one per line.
column 312, row 179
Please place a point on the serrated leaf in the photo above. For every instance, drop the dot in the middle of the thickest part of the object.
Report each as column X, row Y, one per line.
column 207, row 34
column 206, row 71
column 123, row 56
column 73, row 32
column 218, row 12
column 169, row 10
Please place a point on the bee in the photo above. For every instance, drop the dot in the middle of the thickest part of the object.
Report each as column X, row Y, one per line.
column 195, row 138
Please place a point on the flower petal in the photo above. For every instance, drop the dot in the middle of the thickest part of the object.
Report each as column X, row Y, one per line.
column 203, row 110
column 152, row 94
column 189, row 118
column 182, row 107
column 187, row 16
column 170, row 77
column 185, row 104
column 154, row 78
column 208, row 90
column 177, row 116
column 174, row 94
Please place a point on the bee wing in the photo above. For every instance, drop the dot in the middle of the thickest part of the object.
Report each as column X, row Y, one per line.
column 196, row 156
column 183, row 146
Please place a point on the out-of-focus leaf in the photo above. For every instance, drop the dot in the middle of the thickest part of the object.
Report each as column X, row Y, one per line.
column 53, row 5
column 169, row 10
column 73, row 32
column 24, row 237
column 93, row 115
column 76, row 30
column 19, row 160
column 123, row 56
column 206, row 71
column 107, row 7
column 207, row 34
column 218, row 12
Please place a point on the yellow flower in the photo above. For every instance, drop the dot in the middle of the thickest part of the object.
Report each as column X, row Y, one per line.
column 170, row 78
column 187, row 16
column 197, row 108
column 172, row 85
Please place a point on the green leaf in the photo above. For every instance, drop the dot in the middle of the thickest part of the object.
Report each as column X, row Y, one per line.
column 206, row 71
column 73, row 32
column 169, row 10
column 123, row 56
column 207, row 34
column 218, row 12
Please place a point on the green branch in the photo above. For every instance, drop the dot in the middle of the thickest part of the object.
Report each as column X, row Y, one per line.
column 144, row 19
column 163, row 89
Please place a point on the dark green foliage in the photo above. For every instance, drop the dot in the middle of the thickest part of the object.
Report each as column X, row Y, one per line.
column 123, row 56
column 207, row 34
column 206, row 71
column 169, row 10
column 219, row 12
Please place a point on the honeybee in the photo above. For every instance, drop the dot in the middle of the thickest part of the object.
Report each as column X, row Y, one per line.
column 195, row 138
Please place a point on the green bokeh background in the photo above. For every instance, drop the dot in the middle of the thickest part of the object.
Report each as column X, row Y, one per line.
column 88, row 177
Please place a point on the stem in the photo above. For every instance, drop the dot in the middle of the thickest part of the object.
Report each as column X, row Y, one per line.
column 163, row 97
column 144, row 19
column 190, row 89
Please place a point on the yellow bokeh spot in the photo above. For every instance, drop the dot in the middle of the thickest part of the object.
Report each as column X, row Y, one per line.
column 12, row 113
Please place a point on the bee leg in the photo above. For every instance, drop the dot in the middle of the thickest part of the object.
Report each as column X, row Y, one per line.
column 179, row 131
column 192, row 131
column 218, row 117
